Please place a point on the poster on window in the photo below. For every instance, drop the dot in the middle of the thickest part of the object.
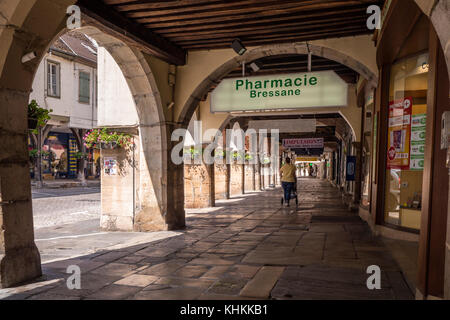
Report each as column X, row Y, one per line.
column 399, row 134
column 418, row 134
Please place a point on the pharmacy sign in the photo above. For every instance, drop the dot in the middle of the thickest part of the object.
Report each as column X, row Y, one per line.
column 282, row 91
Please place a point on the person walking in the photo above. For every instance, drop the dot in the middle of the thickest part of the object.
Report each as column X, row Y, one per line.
column 288, row 180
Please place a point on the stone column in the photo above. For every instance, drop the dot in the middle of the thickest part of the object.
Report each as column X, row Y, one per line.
column 236, row 178
column 249, row 182
column 270, row 165
column 222, row 181
column 257, row 176
column 145, row 192
column 19, row 258
column 118, row 188
column 199, row 185
column 358, row 169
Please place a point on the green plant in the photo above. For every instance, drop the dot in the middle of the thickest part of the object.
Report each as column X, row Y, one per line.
column 95, row 137
column 219, row 153
column 33, row 153
column 248, row 157
column 80, row 155
column 41, row 115
column 235, row 155
column 192, row 151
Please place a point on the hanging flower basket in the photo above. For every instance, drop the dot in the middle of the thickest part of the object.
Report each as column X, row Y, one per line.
column 108, row 145
column 107, row 139
column 37, row 116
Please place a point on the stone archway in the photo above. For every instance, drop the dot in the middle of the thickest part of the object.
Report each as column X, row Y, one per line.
column 438, row 11
column 31, row 26
column 151, row 199
column 291, row 48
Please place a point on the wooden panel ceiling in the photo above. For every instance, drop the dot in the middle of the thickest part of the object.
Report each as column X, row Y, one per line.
column 296, row 63
column 209, row 24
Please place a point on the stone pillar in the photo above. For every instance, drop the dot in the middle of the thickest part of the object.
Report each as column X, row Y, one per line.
column 236, row 178
column 118, row 189
column 145, row 191
column 222, row 181
column 270, row 165
column 358, row 169
column 19, row 258
column 266, row 176
column 199, row 186
column 249, row 182
column 257, row 175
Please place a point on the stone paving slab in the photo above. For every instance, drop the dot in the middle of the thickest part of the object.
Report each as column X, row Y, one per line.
column 249, row 246
column 263, row 282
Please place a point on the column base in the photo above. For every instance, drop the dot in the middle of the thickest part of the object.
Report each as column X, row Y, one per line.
column 19, row 265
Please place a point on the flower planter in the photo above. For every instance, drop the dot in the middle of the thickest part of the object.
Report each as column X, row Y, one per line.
column 108, row 145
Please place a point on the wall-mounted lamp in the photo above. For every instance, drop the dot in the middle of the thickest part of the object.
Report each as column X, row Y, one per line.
column 28, row 57
column 238, row 47
column 255, row 66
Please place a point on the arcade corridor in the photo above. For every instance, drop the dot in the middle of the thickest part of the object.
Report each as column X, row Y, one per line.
column 246, row 247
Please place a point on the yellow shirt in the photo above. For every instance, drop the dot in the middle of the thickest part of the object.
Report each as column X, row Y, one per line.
column 288, row 173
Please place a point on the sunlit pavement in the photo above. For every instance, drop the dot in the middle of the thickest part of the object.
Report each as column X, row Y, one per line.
column 247, row 247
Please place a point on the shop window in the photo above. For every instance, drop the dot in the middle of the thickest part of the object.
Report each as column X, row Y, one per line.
column 406, row 141
column 84, row 94
column 53, row 79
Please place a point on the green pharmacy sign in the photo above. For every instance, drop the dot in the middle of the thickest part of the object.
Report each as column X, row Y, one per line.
column 283, row 91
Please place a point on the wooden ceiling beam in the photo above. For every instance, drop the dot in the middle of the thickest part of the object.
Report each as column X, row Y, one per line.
column 107, row 19
column 228, row 9
column 270, row 14
column 256, row 27
column 274, row 30
column 254, row 23
column 285, row 36
column 300, row 38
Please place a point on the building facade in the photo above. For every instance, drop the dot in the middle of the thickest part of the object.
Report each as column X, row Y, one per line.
column 66, row 83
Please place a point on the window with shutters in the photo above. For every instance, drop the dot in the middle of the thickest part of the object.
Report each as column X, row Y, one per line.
column 53, row 79
column 84, row 94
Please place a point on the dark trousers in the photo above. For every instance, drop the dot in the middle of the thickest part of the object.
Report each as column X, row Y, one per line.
column 288, row 187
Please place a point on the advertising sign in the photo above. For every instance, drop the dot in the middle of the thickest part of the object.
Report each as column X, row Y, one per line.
column 399, row 134
column 307, row 159
column 351, row 168
column 418, row 134
column 284, row 126
column 283, row 91
column 302, row 143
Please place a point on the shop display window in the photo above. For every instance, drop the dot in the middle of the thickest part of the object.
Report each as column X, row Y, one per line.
column 406, row 141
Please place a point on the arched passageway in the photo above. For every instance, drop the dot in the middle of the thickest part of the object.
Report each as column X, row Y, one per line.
column 34, row 26
column 217, row 75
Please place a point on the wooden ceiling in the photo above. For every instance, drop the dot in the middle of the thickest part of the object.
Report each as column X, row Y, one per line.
column 211, row 24
column 294, row 64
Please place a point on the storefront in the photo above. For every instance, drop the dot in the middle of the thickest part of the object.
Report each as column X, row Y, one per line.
column 59, row 156
column 408, row 195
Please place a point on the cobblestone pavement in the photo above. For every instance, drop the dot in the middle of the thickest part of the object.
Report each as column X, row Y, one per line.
column 248, row 248
column 52, row 207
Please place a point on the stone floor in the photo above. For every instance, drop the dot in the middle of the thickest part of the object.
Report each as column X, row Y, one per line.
column 248, row 247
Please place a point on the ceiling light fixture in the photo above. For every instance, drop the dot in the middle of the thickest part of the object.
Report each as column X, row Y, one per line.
column 28, row 57
column 255, row 66
column 238, row 47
